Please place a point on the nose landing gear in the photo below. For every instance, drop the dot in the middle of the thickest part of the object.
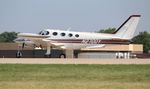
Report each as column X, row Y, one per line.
column 19, row 53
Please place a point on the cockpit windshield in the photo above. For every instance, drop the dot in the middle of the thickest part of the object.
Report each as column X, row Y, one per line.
column 44, row 32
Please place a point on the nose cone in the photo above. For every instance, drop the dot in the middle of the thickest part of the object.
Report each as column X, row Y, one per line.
column 23, row 40
column 31, row 35
column 27, row 34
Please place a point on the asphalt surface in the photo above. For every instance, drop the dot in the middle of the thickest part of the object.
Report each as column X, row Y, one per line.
column 71, row 61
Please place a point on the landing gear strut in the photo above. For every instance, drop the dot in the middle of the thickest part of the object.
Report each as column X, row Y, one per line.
column 48, row 52
column 19, row 53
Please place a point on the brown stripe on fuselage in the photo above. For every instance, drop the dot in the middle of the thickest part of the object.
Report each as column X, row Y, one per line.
column 117, row 41
column 112, row 41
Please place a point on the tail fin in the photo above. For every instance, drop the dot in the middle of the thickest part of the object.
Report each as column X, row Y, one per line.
column 127, row 29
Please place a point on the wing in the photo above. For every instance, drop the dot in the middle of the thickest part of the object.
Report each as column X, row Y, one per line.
column 53, row 43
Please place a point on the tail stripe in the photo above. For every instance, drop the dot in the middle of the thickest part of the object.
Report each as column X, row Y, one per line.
column 126, row 22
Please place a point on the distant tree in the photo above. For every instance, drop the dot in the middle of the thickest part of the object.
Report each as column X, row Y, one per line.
column 109, row 30
column 143, row 38
column 8, row 36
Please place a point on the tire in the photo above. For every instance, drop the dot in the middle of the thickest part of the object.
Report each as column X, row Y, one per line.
column 18, row 54
column 62, row 56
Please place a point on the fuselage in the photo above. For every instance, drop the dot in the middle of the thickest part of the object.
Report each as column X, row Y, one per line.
column 71, row 39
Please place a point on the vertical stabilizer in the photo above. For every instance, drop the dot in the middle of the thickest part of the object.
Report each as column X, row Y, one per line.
column 127, row 29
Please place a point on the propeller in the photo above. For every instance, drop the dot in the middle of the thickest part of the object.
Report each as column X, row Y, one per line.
column 23, row 45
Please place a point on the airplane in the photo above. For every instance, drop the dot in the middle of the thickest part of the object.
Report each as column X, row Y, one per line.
column 77, row 40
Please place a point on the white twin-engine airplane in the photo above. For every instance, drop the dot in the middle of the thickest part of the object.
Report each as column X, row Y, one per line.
column 77, row 40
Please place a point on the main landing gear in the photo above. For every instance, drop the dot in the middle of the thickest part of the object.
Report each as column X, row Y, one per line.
column 48, row 52
column 62, row 56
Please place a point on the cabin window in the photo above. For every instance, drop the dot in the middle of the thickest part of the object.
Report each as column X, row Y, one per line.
column 63, row 34
column 70, row 35
column 76, row 35
column 47, row 33
column 55, row 33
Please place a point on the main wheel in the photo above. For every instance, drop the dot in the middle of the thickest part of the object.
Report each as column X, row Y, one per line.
column 47, row 56
column 62, row 56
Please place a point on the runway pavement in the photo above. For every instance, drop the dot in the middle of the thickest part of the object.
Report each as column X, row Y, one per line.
column 71, row 61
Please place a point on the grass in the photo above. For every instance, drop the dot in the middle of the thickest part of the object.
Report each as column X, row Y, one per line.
column 25, row 76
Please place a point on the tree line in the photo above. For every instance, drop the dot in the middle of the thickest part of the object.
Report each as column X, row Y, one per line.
column 8, row 36
column 141, row 38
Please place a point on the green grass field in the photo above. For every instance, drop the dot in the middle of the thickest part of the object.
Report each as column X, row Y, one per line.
column 23, row 76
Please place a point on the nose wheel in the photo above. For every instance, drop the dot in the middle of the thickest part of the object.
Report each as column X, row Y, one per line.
column 19, row 53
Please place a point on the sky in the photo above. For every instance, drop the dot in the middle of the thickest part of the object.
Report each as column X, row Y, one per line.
column 33, row 16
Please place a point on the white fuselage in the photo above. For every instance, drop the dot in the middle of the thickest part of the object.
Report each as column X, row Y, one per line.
column 70, row 39
column 77, row 40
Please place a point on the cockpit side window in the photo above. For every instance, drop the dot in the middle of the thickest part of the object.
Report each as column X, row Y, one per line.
column 44, row 32
column 40, row 32
column 47, row 33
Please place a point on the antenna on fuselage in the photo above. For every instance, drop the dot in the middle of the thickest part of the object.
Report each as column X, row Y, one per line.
column 69, row 29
